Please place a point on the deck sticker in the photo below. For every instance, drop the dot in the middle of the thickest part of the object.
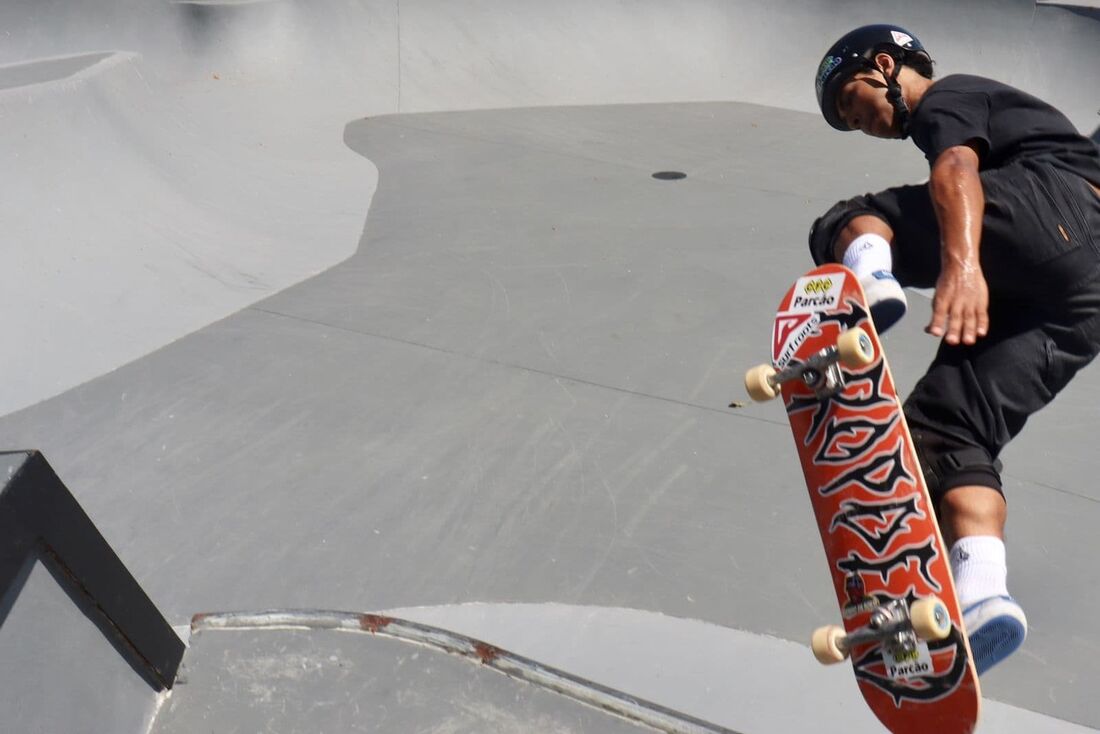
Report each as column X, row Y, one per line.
column 819, row 293
column 858, row 600
column 791, row 330
column 905, row 666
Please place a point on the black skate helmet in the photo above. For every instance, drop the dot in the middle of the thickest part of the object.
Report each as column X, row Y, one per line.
column 855, row 52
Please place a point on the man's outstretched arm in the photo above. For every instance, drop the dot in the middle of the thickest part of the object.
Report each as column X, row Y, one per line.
column 960, row 309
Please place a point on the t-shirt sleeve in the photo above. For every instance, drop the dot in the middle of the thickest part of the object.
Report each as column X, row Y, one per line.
column 953, row 118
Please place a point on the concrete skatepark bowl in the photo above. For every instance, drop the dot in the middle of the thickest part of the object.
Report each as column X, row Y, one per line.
column 377, row 306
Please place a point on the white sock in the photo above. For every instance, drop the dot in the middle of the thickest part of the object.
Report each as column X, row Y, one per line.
column 868, row 253
column 978, row 563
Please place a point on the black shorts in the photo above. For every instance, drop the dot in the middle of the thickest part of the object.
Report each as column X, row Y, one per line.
column 1040, row 254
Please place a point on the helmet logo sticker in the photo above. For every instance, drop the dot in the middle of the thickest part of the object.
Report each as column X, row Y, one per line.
column 901, row 39
column 828, row 64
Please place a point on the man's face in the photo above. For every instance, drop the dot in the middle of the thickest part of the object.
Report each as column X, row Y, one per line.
column 862, row 105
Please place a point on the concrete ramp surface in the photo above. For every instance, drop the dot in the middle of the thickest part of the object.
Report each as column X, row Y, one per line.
column 296, row 674
column 369, row 305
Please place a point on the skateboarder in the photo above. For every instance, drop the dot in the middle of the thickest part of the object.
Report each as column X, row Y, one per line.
column 1007, row 231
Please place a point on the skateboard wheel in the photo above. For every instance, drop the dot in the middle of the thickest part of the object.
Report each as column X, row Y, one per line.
column 930, row 618
column 855, row 348
column 760, row 383
column 827, row 644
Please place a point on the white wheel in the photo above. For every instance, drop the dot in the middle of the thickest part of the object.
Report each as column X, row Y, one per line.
column 760, row 383
column 855, row 348
column 930, row 618
column 828, row 645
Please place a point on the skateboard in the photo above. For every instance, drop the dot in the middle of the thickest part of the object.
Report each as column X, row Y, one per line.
column 902, row 623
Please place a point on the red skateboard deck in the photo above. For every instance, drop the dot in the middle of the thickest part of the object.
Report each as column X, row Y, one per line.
column 877, row 523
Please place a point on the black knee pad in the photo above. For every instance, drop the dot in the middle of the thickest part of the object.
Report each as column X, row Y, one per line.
column 948, row 463
column 824, row 231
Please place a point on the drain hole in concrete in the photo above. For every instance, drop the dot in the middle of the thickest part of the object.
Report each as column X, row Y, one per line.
column 669, row 175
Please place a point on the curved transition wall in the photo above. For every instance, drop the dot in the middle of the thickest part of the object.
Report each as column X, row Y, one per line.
column 430, row 55
column 202, row 167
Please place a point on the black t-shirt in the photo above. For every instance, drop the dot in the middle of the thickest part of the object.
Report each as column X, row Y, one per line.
column 1009, row 125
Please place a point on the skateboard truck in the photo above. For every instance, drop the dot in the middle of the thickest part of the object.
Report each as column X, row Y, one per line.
column 821, row 372
column 897, row 625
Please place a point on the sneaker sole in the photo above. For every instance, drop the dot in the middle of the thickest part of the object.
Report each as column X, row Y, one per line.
column 997, row 639
column 887, row 313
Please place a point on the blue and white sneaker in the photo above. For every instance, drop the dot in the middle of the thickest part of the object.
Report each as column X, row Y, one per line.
column 996, row 627
column 886, row 298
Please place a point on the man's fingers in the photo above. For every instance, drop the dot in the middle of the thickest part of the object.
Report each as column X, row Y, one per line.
column 983, row 322
column 955, row 323
column 959, row 315
column 966, row 324
column 937, row 327
column 977, row 325
column 939, row 316
column 970, row 327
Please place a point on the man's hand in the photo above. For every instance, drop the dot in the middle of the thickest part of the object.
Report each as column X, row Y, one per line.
column 960, row 308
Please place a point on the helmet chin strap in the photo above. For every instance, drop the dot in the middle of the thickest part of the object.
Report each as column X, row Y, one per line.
column 895, row 98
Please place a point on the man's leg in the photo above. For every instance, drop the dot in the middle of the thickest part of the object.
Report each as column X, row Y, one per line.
column 865, row 246
column 970, row 404
column 972, row 519
column 857, row 226
column 972, row 510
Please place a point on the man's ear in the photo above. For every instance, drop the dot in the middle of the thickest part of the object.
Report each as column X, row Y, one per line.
column 886, row 62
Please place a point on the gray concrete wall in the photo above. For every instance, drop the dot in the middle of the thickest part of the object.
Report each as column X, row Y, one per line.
column 428, row 55
column 57, row 671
